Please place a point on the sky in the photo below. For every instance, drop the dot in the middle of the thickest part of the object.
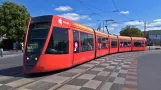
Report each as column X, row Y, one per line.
column 92, row 12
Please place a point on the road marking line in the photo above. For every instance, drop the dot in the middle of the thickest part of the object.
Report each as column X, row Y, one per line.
column 131, row 77
column 128, row 88
column 2, row 78
column 131, row 82
column 19, row 82
column 133, row 73
column 1, row 84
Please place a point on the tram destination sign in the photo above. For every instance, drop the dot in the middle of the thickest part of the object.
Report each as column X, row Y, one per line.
column 41, row 25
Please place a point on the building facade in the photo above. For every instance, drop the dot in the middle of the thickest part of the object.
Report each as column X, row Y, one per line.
column 153, row 37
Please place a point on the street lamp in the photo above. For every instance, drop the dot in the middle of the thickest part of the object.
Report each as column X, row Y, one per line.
column 144, row 26
column 149, row 41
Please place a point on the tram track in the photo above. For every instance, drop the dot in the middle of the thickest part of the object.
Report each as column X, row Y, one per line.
column 73, row 78
column 58, row 86
column 106, row 58
column 55, row 88
column 12, row 75
column 103, row 83
column 107, row 78
column 18, row 88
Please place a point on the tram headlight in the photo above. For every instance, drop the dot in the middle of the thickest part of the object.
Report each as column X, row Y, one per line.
column 27, row 58
column 36, row 59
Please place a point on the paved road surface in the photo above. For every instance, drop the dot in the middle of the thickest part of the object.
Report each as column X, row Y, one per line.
column 149, row 72
column 153, row 47
column 9, row 52
column 10, row 62
column 111, row 72
column 11, row 65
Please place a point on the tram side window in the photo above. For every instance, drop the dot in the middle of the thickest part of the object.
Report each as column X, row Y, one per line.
column 137, row 43
column 76, row 41
column 86, row 42
column 121, row 43
column 142, row 43
column 58, row 43
column 125, row 43
column 99, row 42
column 129, row 43
column 104, row 42
column 90, row 41
column 114, row 43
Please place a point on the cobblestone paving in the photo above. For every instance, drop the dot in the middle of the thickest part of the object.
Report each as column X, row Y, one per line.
column 111, row 72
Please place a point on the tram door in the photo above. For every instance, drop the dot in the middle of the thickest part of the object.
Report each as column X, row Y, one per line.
column 76, row 46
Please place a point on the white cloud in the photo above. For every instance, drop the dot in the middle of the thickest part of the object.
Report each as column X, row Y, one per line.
column 133, row 23
column 157, row 20
column 90, row 24
column 114, row 25
column 154, row 24
column 141, row 28
column 85, row 17
column 75, row 16
column 124, row 12
column 63, row 8
column 154, row 28
column 109, row 28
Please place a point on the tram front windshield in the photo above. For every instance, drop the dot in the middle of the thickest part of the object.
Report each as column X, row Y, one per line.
column 36, row 37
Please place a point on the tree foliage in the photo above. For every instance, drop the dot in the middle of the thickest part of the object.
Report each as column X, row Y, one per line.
column 131, row 31
column 13, row 20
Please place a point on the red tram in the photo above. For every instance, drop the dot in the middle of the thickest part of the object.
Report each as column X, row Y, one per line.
column 125, row 43
column 54, row 43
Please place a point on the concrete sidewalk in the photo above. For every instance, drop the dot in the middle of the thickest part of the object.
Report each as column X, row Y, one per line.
column 153, row 47
column 11, row 53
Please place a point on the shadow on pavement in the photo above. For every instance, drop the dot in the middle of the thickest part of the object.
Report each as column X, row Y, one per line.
column 50, row 73
column 11, row 71
column 18, row 72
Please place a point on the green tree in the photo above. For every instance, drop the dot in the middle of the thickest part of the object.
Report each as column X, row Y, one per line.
column 131, row 31
column 13, row 20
